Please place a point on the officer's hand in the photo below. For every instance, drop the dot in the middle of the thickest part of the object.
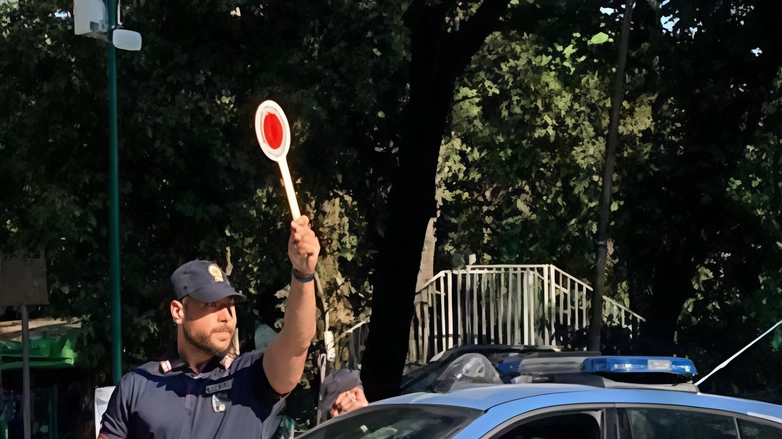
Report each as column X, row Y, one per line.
column 303, row 247
column 346, row 402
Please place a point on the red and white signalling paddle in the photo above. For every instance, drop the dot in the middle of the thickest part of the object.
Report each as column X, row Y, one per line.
column 274, row 136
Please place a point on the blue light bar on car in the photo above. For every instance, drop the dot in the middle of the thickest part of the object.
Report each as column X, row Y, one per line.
column 672, row 365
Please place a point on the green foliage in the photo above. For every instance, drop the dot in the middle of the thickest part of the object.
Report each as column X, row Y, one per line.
column 696, row 191
column 695, row 221
column 599, row 38
column 520, row 172
column 776, row 342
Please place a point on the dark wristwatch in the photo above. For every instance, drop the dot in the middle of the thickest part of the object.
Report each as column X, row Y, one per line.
column 296, row 276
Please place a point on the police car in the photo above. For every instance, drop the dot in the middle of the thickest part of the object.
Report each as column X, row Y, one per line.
column 552, row 395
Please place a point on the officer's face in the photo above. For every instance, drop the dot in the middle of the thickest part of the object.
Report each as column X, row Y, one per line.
column 209, row 326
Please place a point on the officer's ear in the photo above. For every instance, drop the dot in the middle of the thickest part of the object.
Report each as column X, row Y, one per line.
column 177, row 311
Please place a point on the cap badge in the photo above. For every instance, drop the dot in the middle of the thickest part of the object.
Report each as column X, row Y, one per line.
column 215, row 271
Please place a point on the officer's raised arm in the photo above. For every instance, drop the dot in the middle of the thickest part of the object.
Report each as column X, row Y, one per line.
column 284, row 360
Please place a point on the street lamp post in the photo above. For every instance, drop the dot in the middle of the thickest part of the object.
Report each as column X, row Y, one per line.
column 114, row 268
column 98, row 19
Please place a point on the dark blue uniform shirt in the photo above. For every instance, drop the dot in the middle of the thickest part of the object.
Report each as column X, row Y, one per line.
column 150, row 402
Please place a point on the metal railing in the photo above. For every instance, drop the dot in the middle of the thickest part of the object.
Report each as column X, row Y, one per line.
column 504, row 304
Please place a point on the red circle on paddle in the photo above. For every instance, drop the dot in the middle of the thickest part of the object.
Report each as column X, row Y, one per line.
column 272, row 130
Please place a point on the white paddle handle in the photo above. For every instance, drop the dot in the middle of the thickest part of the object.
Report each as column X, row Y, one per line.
column 286, row 178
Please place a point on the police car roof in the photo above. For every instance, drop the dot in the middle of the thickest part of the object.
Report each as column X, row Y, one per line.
column 484, row 397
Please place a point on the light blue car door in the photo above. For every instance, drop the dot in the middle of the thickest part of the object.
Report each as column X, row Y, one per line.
column 501, row 416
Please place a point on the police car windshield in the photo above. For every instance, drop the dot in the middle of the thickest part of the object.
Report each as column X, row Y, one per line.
column 397, row 422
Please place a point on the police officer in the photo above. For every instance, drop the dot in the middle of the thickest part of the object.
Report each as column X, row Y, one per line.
column 342, row 392
column 199, row 389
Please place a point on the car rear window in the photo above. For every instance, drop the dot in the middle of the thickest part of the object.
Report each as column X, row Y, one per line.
column 678, row 424
column 418, row 421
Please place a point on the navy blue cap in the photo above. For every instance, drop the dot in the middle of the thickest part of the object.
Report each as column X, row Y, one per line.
column 203, row 281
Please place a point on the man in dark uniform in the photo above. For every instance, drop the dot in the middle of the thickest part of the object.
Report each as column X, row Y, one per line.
column 199, row 389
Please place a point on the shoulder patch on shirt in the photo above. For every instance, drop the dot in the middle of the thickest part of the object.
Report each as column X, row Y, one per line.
column 165, row 366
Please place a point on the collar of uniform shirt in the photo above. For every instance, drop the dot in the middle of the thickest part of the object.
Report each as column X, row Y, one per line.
column 170, row 361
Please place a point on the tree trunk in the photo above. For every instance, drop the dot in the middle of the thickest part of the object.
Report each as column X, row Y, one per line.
column 410, row 205
column 426, row 270
column 608, row 176
column 438, row 58
column 672, row 287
